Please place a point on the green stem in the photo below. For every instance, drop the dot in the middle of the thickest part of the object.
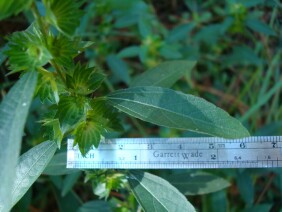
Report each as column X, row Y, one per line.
column 109, row 85
column 37, row 17
column 58, row 70
column 43, row 70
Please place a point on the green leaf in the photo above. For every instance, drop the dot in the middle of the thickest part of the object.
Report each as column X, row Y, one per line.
column 246, row 188
column 62, row 49
column 197, row 183
column 13, row 113
column 69, row 182
column 27, row 50
column 70, row 202
column 165, row 74
column 100, row 119
column 218, row 201
column 170, row 52
column 12, row 7
column 64, row 14
column 70, row 111
column 242, row 55
column 97, row 206
column 84, row 80
column 179, row 33
column 105, row 114
column 169, row 108
column 131, row 51
column 30, row 166
column 57, row 165
column 156, row 194
column 47, row 88
column 2, row 55
column 53, row 130
column 87, row 133
column 258, row 26
column 119, row 68
column 258, row 208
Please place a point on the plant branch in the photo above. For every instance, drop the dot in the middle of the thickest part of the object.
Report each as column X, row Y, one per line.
column 259, row 199
column 58, row 70
column 37, row 16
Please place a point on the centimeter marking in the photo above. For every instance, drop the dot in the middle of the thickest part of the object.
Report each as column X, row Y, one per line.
column 179, row 153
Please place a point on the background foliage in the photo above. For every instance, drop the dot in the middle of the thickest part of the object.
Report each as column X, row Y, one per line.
column 237, row 46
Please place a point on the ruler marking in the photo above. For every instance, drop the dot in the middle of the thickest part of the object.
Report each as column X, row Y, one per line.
column 160, row 153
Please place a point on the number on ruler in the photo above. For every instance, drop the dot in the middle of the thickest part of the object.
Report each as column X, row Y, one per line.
column 149, row 146
column 135, row 157
column 213, row 156
column 274, row 144
column 211, row 145
column 237, row 158
column 180, row 146
column 120, row 146
column 242, row 145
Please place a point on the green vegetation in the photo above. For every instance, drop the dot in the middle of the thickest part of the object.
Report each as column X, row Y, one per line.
column 107, row 68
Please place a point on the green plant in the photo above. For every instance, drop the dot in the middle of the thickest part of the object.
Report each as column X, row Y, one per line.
column 46, row 55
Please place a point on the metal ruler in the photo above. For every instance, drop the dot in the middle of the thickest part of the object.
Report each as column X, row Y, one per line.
column 179, row 153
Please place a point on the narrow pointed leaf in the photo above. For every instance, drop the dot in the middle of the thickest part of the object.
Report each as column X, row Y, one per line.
column 13, row 114
column 169, row 108
column 57, row 166
column 30, row 166
column 197, row 183
column 155, row 194
column 96, row 205
column 69, row 182
column 119, row 68
column 164, row 75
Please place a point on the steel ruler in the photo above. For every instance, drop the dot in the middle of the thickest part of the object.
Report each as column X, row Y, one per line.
column 179, row 153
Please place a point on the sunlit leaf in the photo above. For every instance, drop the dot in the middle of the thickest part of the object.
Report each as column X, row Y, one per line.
column 169, row 108
column 30, row 166
column 13, row 113
column 155, row 194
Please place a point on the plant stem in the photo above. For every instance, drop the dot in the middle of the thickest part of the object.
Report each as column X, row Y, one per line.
column 39, row 20
column 58, row 70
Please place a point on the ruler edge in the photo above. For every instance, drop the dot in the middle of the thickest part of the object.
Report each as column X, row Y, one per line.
column 70, row 154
